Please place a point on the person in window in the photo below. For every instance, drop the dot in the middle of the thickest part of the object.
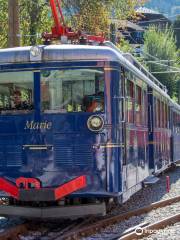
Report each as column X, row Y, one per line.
column 18, row 103
column 94, row 103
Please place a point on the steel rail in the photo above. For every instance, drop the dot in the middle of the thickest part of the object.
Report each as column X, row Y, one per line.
column 150, row 229
column 95, row 227
column 81, row 231
column 14, row 232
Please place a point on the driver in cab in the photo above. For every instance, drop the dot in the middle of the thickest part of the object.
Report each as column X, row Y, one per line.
column 94, row 103
column 17, row 102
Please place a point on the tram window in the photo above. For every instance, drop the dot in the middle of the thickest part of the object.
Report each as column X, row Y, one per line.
column 78, row 90
column 155, row 112
column 166, row 116
column 178, row 120
column 165, row 120
column 174, row 118
column 162, row 115
column 16, row 92
column 138, row 105
column 130, row 105
column 177, row 116
column 145, row 109
column 158, row 114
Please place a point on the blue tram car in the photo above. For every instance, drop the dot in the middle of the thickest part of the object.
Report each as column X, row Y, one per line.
column 79, row 125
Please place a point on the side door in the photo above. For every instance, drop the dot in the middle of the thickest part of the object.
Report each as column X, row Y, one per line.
column 130, row 138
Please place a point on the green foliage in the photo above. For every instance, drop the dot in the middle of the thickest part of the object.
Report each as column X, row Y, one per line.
column 33, row 21
column 91, row 16
column 162, row 46
column 124, row 46
column 176, row 26
column 3, row 21
column 125, row 9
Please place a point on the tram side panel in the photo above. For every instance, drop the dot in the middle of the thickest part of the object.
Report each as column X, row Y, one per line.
column 136, row 139
column 175, row 134
column 159, row 132
column 151, row 116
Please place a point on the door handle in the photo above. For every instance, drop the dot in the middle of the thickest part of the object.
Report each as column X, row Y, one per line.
column 123, row 99
column 37, row 147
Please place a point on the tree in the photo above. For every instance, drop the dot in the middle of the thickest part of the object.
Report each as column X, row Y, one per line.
column 92, row 16
column 13, row 26
column 176, row 26
column 125, row 9
column 160, row 49
column 4, row 23
column 124, row 46
column 34, row 21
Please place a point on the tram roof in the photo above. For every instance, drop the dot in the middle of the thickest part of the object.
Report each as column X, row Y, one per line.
column 58, row 53
column 74, row 53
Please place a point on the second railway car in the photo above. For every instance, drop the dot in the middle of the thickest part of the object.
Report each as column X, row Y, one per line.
column 79, row 125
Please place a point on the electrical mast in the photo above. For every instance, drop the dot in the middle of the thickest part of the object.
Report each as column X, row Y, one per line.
column 13, row 21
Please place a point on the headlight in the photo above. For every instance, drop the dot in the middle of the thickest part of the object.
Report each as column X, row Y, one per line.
column 35, row 51
column 95, row 123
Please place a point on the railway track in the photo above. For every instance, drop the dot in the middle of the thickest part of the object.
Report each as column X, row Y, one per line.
column 98, row 226
column 13, row 233
column 140, row 232
column 37, row 230
column 90, row 226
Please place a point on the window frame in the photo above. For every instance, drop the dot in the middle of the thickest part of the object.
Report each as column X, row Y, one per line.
column 130, row 95
column 75, row 68
column 12, row 112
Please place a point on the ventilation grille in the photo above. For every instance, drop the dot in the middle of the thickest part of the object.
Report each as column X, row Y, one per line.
column 67, row 154
column 10, row 156
column 83, row 155
column 63, row 154
column 1, row 157
column 14, row 156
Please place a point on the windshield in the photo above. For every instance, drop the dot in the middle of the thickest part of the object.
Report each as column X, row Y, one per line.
column 16, row 92
column 78, row 90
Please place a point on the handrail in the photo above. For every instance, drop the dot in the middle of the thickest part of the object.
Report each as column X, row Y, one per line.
column 145, row 71
column 138, row 65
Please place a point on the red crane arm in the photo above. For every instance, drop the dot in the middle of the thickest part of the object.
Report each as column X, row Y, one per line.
column 58, row 26
column 60, row 11
column 60, row 29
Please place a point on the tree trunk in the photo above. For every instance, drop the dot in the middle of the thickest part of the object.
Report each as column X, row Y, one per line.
column 13, row 18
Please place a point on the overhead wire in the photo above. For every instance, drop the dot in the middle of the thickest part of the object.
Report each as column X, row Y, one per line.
column 158, row 63
column 165, row 65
